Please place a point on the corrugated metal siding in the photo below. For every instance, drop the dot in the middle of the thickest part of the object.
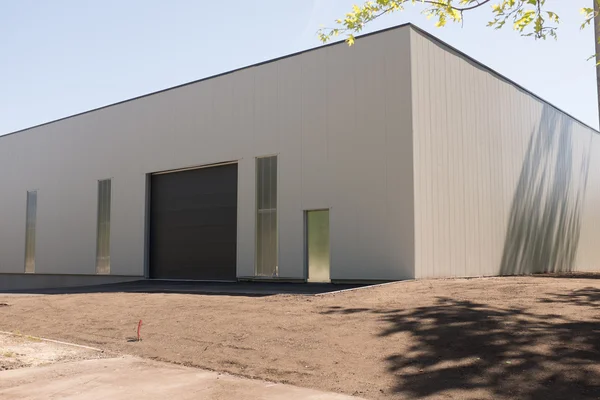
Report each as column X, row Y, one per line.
column 501, row 179
column 338, row 118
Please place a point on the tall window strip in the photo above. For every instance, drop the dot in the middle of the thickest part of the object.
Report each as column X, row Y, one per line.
column 266, row 217
column 30, row 223
column 103, row 235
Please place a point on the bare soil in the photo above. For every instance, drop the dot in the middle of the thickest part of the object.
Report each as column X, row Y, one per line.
column 491, row 338
column 26, row 351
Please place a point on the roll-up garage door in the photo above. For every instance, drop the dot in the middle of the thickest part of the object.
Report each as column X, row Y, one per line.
column 193, row 224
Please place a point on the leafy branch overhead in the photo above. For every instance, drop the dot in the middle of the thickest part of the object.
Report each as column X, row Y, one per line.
column 528, row 17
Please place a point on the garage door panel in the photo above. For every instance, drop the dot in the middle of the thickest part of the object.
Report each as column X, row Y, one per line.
column 183, row 246
column 170, row 243
column 193, row 230
column 194, row 218
column 202, row 202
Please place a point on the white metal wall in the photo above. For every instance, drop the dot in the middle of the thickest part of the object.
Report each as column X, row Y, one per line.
column 338, row 117
column 504, row 183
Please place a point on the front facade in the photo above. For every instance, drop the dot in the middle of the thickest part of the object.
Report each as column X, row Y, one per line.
column 397, row 158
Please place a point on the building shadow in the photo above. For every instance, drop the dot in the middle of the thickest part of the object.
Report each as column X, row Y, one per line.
column 568, row 275
column 545, row 217
column 491, row 352
column 248, row 289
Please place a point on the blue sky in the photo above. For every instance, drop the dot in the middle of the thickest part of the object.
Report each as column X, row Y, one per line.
column 62, row 57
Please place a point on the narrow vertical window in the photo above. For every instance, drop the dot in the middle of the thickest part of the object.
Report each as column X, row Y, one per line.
column 266, row 217
column 103, row 235
column 30, row 222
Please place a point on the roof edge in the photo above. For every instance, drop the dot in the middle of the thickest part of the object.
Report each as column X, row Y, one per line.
column 421, row 31
column 207, row 78
column 495, row 73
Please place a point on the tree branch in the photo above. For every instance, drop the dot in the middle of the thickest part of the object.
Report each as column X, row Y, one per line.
column 459, row 9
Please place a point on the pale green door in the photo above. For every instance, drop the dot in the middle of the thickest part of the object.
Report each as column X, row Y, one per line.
column 317, row 245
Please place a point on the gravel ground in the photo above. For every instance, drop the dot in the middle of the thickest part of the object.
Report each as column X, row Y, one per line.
column 490, row 338
column 26, row 351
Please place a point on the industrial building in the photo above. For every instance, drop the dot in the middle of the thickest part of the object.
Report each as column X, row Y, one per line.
column 397, row 158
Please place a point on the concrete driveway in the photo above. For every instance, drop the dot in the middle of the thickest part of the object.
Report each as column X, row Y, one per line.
column 134, row 378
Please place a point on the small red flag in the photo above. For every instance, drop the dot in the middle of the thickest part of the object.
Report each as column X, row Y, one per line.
column 138, row 330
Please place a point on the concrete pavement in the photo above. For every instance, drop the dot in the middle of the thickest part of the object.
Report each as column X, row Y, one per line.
column 126, row 378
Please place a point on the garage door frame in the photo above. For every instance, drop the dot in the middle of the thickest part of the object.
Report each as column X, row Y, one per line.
column 148, row 216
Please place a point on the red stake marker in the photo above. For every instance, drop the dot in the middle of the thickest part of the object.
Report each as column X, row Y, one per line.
column 138, row 331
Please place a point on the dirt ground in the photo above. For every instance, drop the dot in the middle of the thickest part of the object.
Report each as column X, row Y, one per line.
column 26, row 351
column 491, row 338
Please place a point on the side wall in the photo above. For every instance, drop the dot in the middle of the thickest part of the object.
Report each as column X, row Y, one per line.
column 338, row 117
column 504, row 183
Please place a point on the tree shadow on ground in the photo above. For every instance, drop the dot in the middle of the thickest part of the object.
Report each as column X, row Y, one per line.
column 586, row 297
column 493, row 352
